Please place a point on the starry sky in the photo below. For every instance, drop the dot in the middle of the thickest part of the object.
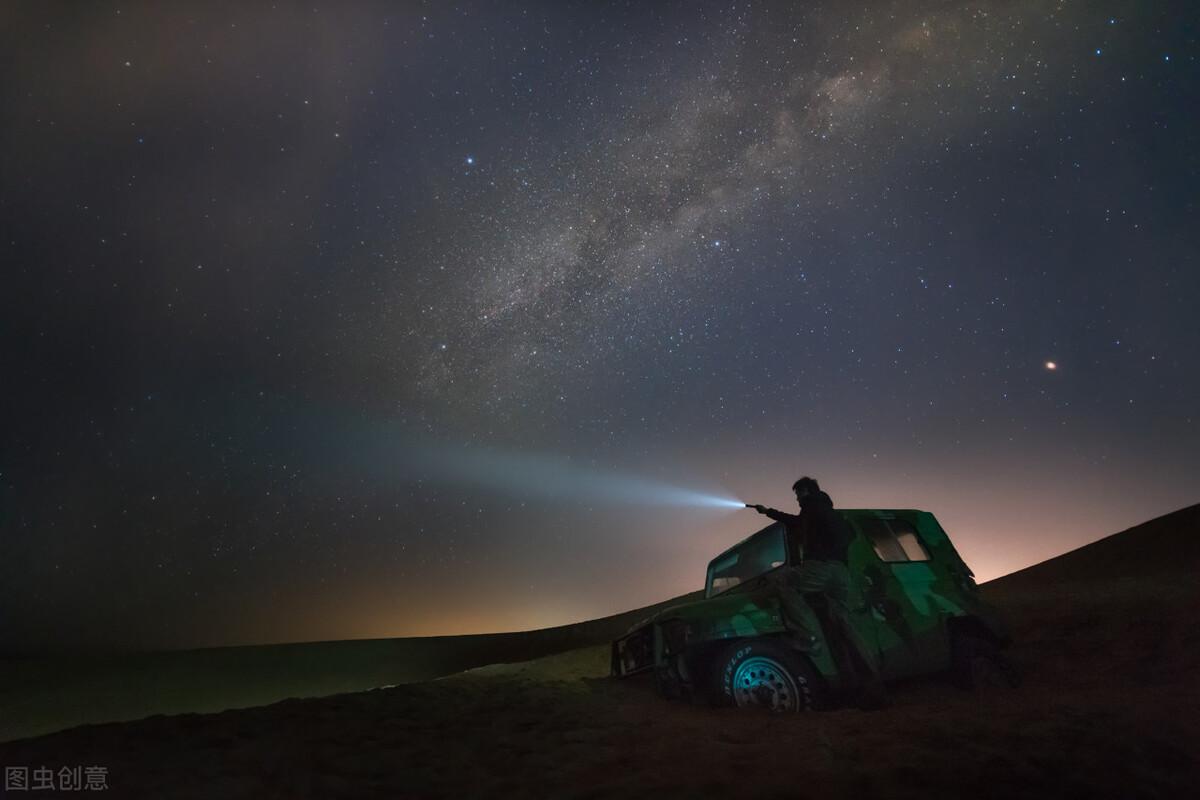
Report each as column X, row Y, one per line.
column 342, row 320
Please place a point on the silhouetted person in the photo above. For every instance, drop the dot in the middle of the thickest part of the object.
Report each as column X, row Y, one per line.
column 819, row 538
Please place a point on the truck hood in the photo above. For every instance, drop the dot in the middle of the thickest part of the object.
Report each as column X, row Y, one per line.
column 746, row 610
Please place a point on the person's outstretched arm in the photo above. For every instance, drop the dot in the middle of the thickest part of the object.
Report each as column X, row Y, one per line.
column 775, row 514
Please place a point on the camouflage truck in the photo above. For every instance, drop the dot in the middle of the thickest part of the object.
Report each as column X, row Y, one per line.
column 755, row 641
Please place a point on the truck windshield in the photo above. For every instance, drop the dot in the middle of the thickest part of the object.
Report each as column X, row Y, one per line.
column 762, row 552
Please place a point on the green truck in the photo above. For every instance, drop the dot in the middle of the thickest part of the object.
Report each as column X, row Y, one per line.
column 753, row 641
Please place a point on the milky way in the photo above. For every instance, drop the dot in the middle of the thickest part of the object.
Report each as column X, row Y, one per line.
column 660, row 211
column 275, row 275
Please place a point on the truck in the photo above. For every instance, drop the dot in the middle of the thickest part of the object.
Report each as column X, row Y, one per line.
column 754, row 641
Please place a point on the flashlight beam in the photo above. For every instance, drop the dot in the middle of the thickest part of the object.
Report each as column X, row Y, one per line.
column 558, row 478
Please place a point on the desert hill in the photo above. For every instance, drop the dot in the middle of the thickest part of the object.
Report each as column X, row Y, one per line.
column 41, row 694
column 1110, row 707
column 1165, row 546
column 1126, row 603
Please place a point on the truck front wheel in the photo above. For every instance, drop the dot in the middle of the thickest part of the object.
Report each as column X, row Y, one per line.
column 760, row 673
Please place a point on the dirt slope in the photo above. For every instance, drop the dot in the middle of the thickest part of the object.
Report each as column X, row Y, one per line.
column 1110, row 708
column 1165, row 546
column 1120, row 609
column 50, row 693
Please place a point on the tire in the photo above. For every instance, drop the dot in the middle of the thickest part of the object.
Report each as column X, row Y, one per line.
column 978, row 665
column 759, row 673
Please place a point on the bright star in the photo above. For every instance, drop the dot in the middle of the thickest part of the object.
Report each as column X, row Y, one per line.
column 1050, row 365
column 470, row 159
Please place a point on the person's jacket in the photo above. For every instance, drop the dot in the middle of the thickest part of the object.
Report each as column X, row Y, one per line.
column 818, row 529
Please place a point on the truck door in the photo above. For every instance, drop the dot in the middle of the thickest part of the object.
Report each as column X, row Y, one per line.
column 899, row 583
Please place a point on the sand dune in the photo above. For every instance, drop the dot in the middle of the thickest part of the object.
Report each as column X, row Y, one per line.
column 50, row 693
column 1110, row 708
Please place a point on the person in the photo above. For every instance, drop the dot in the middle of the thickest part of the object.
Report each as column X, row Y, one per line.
column 820, row 538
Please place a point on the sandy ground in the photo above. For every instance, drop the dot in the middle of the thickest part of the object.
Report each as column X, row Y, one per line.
column 1110, row 708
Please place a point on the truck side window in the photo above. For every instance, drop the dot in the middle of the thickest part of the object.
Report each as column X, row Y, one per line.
column 894, row 540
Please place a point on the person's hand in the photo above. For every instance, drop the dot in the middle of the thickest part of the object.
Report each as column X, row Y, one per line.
column 759, row 508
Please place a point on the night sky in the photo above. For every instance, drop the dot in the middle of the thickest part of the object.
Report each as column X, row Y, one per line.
column 346, row 320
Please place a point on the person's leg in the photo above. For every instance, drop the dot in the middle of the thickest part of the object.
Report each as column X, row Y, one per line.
column 864, row 675
column 801, row 581
column 816, row 582
column 824, row 587
column 810, row 577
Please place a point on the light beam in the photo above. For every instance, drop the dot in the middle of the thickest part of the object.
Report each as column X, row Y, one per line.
column 557, row 478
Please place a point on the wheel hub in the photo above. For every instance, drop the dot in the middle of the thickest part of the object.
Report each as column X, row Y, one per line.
column 765, row 683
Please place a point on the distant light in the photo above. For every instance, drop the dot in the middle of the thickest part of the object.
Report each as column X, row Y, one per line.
column 1050, row 365
column 1097, row 51
column 470, row 160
